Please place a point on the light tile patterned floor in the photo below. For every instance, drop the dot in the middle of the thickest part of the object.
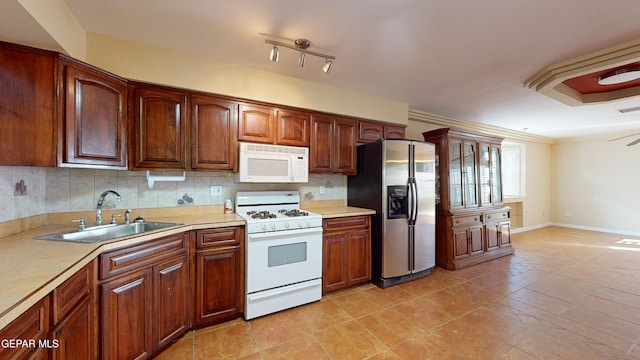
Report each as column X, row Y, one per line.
column 566, row 294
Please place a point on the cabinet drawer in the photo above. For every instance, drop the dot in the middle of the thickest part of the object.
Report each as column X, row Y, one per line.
column 467, row 220
column 70, row 292
column 218, row 237
column 497, row 216
column 131, row 258
column 351, row 222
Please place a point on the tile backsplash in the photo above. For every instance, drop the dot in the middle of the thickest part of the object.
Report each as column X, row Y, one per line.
column 29, row 191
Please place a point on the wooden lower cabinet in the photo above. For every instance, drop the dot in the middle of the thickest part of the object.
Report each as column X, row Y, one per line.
column 472, row 238
column 219, row 288
column 147, row 306
column 346, row 253
column 75, row 336
column 170, row 306
column 33, row 324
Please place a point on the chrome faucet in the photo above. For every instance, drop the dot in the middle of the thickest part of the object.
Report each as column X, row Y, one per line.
column 99, row 206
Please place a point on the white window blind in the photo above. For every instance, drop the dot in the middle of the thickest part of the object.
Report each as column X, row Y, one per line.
column 513, row 170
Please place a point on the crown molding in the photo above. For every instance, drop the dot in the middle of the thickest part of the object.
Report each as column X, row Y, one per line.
column 425, row 117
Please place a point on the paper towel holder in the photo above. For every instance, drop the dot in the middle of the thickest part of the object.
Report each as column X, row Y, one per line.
column 151, row 179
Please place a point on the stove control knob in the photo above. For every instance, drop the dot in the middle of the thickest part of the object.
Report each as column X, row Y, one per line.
column 273, row 226
column 264, row 227
column 307, row 222
column 287, row 225
column 300, row 224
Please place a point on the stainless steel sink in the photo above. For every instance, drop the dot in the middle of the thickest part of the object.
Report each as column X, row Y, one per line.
column 107, row 232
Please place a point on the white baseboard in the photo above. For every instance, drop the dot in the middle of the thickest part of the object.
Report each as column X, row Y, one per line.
column 579, row 227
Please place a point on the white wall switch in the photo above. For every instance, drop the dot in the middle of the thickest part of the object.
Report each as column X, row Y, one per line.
column 321, row 189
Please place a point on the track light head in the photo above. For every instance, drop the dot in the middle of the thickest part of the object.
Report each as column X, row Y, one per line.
column 327, row 66
column 275, row 54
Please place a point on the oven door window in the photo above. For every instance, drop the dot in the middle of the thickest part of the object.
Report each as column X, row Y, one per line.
column 287, row 254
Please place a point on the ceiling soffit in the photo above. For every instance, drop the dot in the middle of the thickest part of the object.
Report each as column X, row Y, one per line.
column 575, row 82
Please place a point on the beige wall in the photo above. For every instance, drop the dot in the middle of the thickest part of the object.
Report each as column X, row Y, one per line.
column 147, row 63
column 596, row 181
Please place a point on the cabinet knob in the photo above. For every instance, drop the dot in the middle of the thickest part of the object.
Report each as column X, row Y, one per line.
column 488, row 216
column 475, row 218
column 457, row 221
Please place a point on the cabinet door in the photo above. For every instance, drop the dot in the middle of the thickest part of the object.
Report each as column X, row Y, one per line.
column 293, row 128
column 493, row 241
column 359, row 257
column 334, row 258
column 476, row 240
column 455, row 174
column 345, row 146
column 75, row 333
column 171, row 300
column 93, row 128
column 27, row 107
column 126, row 322
column 214, row 123
column 460, row 243
column 256, row 123
column 32, row 324
column 321, row 144
column 370, row 131
column 469, row 174
column 505, row 234
column 158, row 128
column 219, row 285
column 393, row 132
column 496, row 174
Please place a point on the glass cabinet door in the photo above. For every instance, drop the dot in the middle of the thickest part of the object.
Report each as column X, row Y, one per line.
column 496, row 175
column 485, row 175
column 470, row 191
column 455, row 173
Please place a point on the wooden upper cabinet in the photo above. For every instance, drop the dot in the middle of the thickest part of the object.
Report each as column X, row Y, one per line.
column 321, row 152
column 214, row 123
column 345, row 145
column 256, row 123
column 370, row 131
column 92, row 124
column 332, row 145
column 27, row 106
column 394, row 132
column 158, row 129
column 293, row 128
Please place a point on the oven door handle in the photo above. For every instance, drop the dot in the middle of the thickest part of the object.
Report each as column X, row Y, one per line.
column 283, row 290
column 285, row 233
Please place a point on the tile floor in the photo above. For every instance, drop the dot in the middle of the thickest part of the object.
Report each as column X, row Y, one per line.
column 565, row 294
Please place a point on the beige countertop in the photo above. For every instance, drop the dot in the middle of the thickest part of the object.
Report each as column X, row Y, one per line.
column 30, row 268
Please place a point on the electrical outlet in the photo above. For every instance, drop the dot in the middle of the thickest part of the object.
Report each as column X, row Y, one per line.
column 321, row 189
column 568, row 214
column 216, row 190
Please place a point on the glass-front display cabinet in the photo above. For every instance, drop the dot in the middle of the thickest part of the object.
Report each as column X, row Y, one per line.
column 472, row 223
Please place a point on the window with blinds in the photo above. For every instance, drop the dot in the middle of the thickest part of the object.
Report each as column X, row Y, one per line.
column 513, row 170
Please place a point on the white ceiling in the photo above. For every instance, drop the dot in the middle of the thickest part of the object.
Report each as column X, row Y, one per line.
column 465, row 59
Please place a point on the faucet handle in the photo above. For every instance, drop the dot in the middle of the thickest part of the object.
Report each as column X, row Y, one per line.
column 127, row 216
column 82, row 224
column 113, row 218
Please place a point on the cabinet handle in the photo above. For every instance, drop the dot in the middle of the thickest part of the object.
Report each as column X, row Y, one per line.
column 488, row 217
column 457, row 221
column 475, row 218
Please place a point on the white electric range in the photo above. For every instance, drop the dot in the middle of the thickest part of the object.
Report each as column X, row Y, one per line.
column 283, row 252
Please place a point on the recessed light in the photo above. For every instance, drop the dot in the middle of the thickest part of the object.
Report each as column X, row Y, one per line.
column 620, row 76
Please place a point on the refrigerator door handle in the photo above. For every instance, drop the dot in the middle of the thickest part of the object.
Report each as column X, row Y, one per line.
column 413, row 201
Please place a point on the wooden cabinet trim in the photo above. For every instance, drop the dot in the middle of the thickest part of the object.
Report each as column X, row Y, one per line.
column 217, row 237
column 32, row 324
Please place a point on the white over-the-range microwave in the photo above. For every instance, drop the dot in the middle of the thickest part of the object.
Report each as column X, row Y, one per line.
column 261, row 163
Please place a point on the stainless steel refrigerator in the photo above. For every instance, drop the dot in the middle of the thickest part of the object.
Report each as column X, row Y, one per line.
column 396, row 178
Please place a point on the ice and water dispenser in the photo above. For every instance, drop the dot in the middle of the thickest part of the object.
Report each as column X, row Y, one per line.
column 397, row 201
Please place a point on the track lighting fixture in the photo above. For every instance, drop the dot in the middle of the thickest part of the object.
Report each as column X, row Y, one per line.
column 300, row 45
column 275, row 54
column 327, row 66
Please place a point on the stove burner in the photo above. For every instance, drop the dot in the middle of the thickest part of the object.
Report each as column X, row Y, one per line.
column 293, row 213
column 261, row 215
